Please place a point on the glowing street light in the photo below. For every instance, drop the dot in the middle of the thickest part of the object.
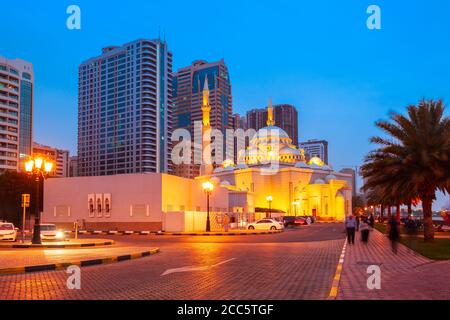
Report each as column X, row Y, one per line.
column 39, row 168
column 208, row 187
column 296, row 204
column 269, row 199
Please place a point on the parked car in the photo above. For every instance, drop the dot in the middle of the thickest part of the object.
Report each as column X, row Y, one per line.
column 291, row 221
column 266, row 224
column 7, row 232
column 50, row 232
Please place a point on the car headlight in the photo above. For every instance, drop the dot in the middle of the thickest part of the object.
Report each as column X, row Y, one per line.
column 59, row 234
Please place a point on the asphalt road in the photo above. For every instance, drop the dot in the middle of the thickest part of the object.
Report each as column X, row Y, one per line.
column 296, row 264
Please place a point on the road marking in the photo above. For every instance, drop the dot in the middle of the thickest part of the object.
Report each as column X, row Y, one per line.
column 193, row 268
column 337, row 276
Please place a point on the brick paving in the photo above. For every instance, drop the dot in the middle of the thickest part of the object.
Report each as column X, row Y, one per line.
column 269, row 268
column 404, row 276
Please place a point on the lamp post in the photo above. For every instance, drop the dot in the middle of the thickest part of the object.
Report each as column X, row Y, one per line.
column 296, row 204
column 208, row 188
column 269, row 200
column 39, row 168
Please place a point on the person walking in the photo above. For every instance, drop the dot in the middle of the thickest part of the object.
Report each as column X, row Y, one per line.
column 350, row 227
column 372, row 220
column 394, row 233
column 358, row 221
column 365, row 229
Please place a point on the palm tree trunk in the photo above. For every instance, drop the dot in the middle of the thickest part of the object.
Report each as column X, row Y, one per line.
column 428, row 228
column 398, row 212
column 409, row 208
column 389, row 211
column 382, row 212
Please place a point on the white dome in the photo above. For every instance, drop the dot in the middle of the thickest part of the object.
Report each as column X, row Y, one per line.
column 215, row 180
column 315, row 166
column 326, row 167
column 268, row 133
column 330, row 177
column 302, row 165
column 290, row 151
column 241, row 166
column 319, row 181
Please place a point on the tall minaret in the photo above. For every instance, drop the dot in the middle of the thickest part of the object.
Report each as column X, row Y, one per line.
column 270, row 121
column 206, row 166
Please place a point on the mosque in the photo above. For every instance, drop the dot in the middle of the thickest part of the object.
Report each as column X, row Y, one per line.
column 271, row 178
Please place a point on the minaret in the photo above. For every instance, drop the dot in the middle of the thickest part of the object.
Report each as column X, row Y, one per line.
column 270, row 121
column 206, row 166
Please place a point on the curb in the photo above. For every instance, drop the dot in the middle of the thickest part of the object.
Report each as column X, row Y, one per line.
column 337, row 276
column 57, row 246
column 83, row 263
column 216, row 233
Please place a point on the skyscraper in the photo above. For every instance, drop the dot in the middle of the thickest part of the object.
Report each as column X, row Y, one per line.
column 16, row 112
column 315, row 148
column 125, row 110
column 285, row 117
column 188, row 91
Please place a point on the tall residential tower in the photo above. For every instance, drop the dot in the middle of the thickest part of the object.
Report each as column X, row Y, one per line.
column 16, row 112
column 125, row 110
column 285, row 116
column 188, row 98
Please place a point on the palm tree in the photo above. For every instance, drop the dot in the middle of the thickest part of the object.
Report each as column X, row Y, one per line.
column 414, row 160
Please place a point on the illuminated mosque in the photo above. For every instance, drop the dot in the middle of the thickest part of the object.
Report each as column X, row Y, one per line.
column 272, row 177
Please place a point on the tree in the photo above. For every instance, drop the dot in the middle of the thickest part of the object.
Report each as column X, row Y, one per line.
column 413, row 162
column 12, row 186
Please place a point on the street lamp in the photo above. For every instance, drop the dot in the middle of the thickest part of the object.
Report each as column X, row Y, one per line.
column 39, row 168
column 269, row 199
column 208, row 188
column 296, row 204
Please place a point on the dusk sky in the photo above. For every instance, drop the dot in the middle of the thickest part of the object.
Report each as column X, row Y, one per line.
column 317, row 55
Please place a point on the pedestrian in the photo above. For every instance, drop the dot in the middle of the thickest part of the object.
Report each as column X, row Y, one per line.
column 372, row 221
column 357, row 222
column 350, row 227
column 365, row 228
column 394, row 233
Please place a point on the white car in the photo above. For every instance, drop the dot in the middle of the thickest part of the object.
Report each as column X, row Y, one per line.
column 8, row 232
column 50, row 232
column 266, row 224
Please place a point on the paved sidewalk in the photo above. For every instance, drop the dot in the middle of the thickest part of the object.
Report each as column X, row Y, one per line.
column 404, row 276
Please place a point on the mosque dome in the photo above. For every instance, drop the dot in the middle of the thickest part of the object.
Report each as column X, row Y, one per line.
column 330, row 177
column 319, row 181
column 302, row 164
column 241, row 166
column 271, row 143
column 225, row 183
column 290, row 150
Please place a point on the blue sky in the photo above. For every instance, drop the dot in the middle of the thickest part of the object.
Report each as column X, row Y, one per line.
column 318, row 55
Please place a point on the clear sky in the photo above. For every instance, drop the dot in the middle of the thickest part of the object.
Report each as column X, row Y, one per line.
column 318, row 55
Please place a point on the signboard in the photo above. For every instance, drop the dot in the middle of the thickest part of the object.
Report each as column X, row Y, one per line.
column 25, row 200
